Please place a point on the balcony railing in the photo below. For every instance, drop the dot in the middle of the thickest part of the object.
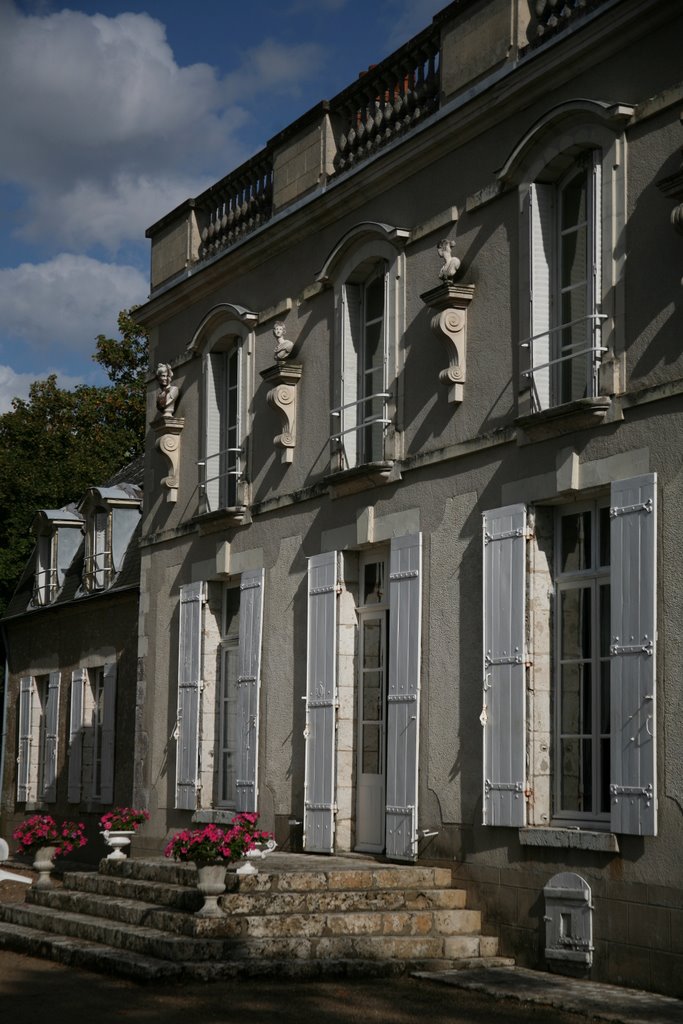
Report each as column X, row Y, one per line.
column 388, row 101
column 236, row 205
column 219, row 474
column 551, row 384
column 44, row 587
column 366, row 440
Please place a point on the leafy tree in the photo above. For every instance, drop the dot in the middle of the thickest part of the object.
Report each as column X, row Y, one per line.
column 57, row 443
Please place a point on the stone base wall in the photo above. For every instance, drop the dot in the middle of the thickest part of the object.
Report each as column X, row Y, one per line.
column 637, row 928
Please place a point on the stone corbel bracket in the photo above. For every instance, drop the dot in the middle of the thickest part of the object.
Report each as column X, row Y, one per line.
column 168, row 431
column 449, row 324
column 284, row 379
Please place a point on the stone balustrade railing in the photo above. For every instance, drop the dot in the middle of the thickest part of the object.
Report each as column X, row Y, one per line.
column 236, row 205
column 388, row 101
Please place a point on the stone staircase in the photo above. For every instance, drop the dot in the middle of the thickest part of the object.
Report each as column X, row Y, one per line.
column 299, row 916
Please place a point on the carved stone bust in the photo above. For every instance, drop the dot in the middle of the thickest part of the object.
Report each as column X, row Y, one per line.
column 451, row 263
column 167, row 395
column 284, row 347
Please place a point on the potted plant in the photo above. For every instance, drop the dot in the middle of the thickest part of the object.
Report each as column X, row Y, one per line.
column 213, row 848
column 45, row 839
column 118, row 826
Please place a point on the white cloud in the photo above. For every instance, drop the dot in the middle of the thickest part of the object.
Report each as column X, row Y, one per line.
column 105, row 131
column 273, row 65
column 16, row 385
column 67, row 301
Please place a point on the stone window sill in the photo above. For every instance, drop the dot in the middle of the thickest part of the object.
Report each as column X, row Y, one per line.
column 569, row 838
column 212, row 522
column 214, row 816
column 562, row 419
column 361, row 478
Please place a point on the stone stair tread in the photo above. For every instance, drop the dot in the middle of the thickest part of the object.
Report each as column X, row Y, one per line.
column 77, row 952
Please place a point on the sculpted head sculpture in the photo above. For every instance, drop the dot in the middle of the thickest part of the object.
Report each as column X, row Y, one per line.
column 167, row 395
column 451, row 263
column 283, row 347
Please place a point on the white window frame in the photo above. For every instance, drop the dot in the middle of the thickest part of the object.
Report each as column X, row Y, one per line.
column 515, row 739
column 226, row 331
column 349, row 266
column 227, row 700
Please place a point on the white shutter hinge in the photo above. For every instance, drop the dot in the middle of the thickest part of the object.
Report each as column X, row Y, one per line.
column 505, row 659
column 623, row 510
column 504, row 787
column 646, row 647
column 647, row 792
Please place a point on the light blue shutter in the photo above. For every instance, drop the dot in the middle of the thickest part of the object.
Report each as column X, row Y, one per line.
column 214, row 369
column 76, row 735
column 24, row 752
column 248, row 685
column 503, row 715
column 403, row 718
column 633, row 541
column 189, row 695
column 49, row 793
column 541, row 250
column 108, row 732
column 321, row 704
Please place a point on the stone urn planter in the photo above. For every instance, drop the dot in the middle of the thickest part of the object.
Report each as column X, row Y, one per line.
column 117, row 841
column 42, row 862
column 211, row 884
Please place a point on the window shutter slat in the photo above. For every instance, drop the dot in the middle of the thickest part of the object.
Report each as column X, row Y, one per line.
column 49, row 793
column 633, row 538
column 76, row 736
column 108, row 733
column 214, row 366
column 504, row 707
column 189, row 687
column 321, row 704
column 24, row 752
column 248, row 687
column 541, row 246
column 405, row 586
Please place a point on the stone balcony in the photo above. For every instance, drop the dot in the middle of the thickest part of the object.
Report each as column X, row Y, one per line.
column 391, row 101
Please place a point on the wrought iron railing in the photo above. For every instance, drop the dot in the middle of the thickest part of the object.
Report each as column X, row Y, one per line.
column 546, row 377
column 218, row 482
column 363, row 431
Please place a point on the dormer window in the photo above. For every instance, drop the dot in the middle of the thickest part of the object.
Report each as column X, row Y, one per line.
column 111, row 515
column 58, row 535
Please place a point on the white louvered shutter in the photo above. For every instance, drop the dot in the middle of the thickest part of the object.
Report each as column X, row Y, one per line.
column 24, row 753
column 321, row 704
column 403, row 699
column 503, row 715
column 49, row 793
column 248, row 686
column 633, row 543
column 108, row 732
column 76, row 736
column 351, row 331
column 214, row 370
column 189, row 695
column 541, row 256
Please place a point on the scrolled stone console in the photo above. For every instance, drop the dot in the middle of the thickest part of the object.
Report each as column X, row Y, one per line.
column 284, row 378
column 449, row 324
column 168, row 431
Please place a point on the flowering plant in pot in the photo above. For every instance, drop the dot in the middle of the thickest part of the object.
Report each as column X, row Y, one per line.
column 42, row 830
column 213, row 844
column 123, row 819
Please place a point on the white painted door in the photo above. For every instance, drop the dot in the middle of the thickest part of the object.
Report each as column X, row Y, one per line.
column 371, row 740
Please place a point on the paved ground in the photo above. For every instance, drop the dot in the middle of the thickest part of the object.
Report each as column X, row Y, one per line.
column 35, row 990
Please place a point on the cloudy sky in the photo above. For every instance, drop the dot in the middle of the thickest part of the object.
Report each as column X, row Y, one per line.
column 114, row 112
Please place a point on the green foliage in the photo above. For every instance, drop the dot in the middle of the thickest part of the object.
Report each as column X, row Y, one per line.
column 57, row 443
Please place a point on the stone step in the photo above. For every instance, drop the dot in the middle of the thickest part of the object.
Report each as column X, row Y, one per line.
column 270, row 878
column 298, row 940
column 108, row 960
column 89, row 955
column 260, row 925
column 252, row 902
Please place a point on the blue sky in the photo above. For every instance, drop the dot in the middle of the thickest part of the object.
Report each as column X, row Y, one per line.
column 115, row 112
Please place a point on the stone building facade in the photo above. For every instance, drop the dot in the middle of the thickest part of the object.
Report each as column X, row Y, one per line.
column 411, row 559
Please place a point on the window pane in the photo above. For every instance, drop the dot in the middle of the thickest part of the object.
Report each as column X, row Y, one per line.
column 231, row 620
column 604, row 620
column 373, row 354
column 604, row 531
column 372, row 695
column 374, row 299
column 576, row 782
column 373, row 583
column 574, row 258
column 575, row 623
column 573, row 201
column 605, row 698
column 576, row 699
column 604, row 775
column 575, row 542
column 371, row 750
